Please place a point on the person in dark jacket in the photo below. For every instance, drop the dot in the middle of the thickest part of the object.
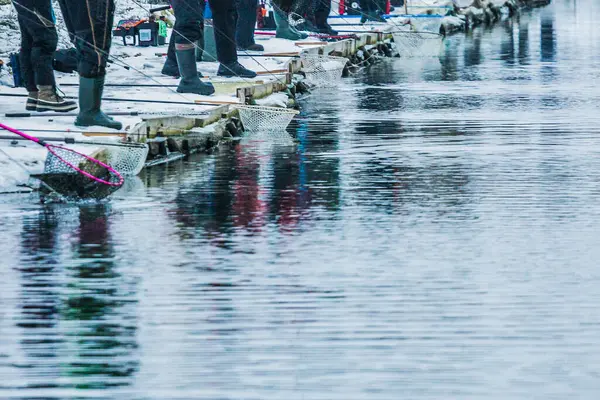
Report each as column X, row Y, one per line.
column 189, row 16
column 90, row 27
column 38, row 44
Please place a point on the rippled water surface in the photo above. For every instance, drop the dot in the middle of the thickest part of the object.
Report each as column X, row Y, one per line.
column 432, row 234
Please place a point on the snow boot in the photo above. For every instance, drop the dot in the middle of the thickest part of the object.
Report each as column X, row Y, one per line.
column 48, row 99
column 235, row 69
column 32, row 101
column 284, row 29
column 90, row 99
column 190, row 83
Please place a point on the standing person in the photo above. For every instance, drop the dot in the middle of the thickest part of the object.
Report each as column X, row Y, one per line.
column 246, row 22
column 38, row 44
column 162, row 31
column 189, row 16
column 91, row 27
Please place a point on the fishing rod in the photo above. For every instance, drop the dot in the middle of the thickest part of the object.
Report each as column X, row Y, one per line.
column 133, row 113
column 67, row 140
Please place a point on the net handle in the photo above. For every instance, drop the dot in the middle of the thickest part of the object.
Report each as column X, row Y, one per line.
column 22, row 134
column 50, row 148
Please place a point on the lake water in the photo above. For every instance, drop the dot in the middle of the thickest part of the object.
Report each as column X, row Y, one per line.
column 430, row 234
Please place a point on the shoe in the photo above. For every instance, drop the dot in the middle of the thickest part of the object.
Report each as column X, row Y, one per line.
column 372, row 17
column 170, row 69
column 253, row 47
column 328, row 30
column 235, row 69
column 190, row 83
column 49, row 100
column 90, row 99
column 32, row 101
column 284, row 29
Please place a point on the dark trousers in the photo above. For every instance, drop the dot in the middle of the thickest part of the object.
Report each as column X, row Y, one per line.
column 189, row 19
column 284, row 5
column 375, row 6
column 91, row 26
column 38, row 42
column 322, row 10
column 246, row 21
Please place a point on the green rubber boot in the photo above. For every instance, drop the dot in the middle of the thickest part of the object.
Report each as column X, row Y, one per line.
column 90, row 98
column 284, row 30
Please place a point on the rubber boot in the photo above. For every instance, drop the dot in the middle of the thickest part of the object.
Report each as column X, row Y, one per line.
column 170, row 69
column 90, row 99
column 190, row 83
column 284, row 29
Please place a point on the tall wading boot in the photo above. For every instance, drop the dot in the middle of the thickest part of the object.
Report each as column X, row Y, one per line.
column 190, row 83
column 284, row 30
column 90, row 99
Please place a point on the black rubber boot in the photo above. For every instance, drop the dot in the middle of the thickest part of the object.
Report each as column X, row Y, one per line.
column 170, row 69
column 90, row 99
column 235, row 69
column 190, row 83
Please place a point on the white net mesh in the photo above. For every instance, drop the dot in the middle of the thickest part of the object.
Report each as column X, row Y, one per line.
column 263, row 119
column 64, row 172
column 127, row 159
column 418, row 44
column 426, row 23
column 323, row 70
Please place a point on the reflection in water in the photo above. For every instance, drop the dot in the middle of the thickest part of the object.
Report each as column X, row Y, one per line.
column 102, row 342
column 427, row 234
column 40, row 299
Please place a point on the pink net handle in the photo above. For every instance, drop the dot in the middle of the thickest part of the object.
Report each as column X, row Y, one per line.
column 95, row 178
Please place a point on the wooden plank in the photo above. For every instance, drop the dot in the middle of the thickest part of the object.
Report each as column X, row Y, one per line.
column 273, row 72
column 216, row 102
column 105, row 134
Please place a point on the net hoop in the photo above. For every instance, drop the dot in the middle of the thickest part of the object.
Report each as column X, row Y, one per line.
column 120, row 181
column 263, row 118
column 418, row 43
column 323, row 70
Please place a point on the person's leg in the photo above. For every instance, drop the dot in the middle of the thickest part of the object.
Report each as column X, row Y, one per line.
column 322, row 10
column 25, row 65
column 246, row 21
column 92, row 28
column 36, row 19
column 224, row 25
column 187, row 31
column 170, row 67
